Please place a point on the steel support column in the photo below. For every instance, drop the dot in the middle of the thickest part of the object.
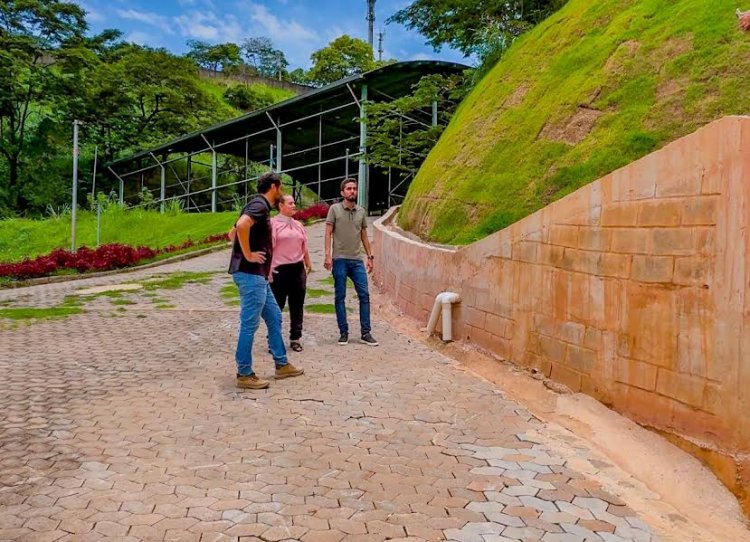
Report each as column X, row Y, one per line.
column 247, row 143
column 122, row 184
column 214, row 173
column 320, row 151
column 279, row 153
column 163, row 183
column 363, row 185
column 189, row 174
column 214, row 167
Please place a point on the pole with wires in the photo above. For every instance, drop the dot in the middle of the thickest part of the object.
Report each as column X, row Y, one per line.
column 371, row 24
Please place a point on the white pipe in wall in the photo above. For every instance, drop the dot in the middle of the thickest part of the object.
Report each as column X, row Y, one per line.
column 444, row 300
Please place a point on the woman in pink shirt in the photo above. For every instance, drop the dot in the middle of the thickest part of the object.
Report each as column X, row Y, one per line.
column 290, row 266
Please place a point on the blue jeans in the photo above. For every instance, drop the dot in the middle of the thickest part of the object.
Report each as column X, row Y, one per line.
column 256, row 302
column 354, row 269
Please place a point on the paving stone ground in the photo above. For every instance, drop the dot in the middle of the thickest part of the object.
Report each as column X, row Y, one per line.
column 124, row 423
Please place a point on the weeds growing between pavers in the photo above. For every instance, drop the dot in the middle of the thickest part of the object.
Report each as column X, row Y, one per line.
column 38, row 313
column 74, row 304
column 175, row 281
column 317, row 292
column 70, row 306
column 321, row 308
column 230, row 294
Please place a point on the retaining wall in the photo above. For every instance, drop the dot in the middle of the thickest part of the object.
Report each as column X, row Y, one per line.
column 635, row 290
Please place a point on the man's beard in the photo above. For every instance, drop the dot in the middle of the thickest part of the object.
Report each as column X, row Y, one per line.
column 351, row 198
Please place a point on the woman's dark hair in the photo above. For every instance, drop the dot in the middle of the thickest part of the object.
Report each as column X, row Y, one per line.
column 267, row 180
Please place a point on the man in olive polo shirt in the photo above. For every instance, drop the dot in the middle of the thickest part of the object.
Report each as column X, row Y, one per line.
column 346, row 229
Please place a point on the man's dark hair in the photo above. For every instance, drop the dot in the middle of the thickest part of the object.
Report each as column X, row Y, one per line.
column 267, row 180
column 347, row 181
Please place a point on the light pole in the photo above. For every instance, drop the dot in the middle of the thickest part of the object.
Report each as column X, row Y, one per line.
column 74, row 203
column 371, row 24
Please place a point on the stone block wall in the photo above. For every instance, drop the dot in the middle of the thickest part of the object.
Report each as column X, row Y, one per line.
column 635, row 290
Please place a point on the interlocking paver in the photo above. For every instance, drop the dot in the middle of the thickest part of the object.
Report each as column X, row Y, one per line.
column 141, row 434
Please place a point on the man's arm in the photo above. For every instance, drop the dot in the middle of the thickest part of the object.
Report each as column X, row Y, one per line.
column 368, row 249
column 232, row 233
column 328, row 262
column 243, row 232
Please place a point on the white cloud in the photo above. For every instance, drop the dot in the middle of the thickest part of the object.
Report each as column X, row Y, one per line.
column 153, row 19
column 141, row 38
column 251, row 19
column 193, row 3
column 206, row 25
column 273, row 26
column 92, row 15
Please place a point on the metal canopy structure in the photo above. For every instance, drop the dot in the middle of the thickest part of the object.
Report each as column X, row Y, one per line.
column 317, row 139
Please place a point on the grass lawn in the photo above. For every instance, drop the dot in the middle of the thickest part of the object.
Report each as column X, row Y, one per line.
column 26, row 238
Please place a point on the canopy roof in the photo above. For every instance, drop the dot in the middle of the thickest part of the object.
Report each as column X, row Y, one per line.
column 300, row 115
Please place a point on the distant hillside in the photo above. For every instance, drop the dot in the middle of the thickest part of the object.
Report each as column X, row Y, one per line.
column 592, row 88
column 264, row 94
column 250, row 79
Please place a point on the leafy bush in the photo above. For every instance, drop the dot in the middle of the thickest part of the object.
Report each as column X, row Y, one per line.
column 105, row 257
column 249, row 98
column 85, row 259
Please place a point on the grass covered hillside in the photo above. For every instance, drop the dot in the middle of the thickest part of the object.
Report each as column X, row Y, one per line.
column 592, row 88
column 240, row 98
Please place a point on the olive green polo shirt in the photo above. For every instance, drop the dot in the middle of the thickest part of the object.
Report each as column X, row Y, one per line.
column 347, row 230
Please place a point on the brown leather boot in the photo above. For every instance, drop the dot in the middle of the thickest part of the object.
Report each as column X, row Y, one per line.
column 252, row 382
column 287, row 371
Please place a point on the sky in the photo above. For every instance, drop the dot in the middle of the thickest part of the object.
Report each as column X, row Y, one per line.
column 297, row 27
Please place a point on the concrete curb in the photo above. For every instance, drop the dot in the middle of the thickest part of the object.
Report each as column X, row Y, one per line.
column 66, row 278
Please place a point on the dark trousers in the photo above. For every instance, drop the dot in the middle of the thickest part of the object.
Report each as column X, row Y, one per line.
column 290, row 281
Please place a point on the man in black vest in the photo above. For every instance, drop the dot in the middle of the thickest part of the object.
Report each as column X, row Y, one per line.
column 250, row 267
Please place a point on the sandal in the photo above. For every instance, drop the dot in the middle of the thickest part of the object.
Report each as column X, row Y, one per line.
column 296, row 346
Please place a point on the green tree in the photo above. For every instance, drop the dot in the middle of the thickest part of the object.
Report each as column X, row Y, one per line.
column 264, row 57
column 467, row 25
column 42, row 44
column 136, row 96
column 401, row 133
column 219, row 57
column 341, row 58
column 299, row 76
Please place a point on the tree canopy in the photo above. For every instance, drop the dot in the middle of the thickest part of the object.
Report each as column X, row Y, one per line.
column 264, row 57
column 341, row 58
column 222, row 56
column 53, row 71
column 42, row 45
column 401, row 132
column 467, row 25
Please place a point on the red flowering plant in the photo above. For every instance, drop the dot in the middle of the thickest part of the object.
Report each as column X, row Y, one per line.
column 316, row 210
column 85, row 259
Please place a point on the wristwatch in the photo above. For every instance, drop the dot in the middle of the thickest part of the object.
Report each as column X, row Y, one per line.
column 371, row 257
